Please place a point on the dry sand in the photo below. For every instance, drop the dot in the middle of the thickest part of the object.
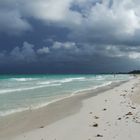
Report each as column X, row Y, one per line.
column 110, row 115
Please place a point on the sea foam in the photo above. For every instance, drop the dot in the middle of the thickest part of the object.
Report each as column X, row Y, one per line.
column 18, row 94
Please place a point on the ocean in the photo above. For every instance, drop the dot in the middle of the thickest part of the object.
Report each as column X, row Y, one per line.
column 23, row 92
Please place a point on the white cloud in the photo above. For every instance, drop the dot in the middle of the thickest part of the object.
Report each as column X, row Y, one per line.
column 26, row 53
column 134, row 55
column 43, row 50
column 103, row 23
column 64, row 45
column 50, row 11
column 120, row 18
column 118, row 52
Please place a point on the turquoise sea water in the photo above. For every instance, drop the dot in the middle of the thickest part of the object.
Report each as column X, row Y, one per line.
column 22, row 92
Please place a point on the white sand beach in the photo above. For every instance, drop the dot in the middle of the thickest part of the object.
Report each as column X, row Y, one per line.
column 113, row 114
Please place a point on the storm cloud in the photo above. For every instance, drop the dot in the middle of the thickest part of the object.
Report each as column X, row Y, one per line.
column 82, row 36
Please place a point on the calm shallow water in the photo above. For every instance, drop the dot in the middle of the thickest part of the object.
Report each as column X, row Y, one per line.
column 22, row 92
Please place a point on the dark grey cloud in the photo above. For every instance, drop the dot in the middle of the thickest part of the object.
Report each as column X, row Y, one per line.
column 26, row 53
column 69, row 35
column 73, row 55
column 11, row 20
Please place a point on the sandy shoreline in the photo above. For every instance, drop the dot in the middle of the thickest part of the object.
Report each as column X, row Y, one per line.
column 84, row 116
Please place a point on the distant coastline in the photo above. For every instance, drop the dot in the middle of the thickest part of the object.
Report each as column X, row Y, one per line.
column 135, row 72
column 96, row 73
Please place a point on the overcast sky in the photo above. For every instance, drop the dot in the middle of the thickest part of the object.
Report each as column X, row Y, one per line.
column 69, row 36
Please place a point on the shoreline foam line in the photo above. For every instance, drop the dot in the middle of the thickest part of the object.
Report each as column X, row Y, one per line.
column 76, row 93
column 29, row 88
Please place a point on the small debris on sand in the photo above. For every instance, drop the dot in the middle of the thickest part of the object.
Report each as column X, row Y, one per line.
column 123, row 95
column 133, row 107
column 104, row 109
column 98, row 135
column 41, row 126
column 96, row 117
column 90, row 112
column 119, row 118
column 95, row 125
column 134, row 118
column 129, row 113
